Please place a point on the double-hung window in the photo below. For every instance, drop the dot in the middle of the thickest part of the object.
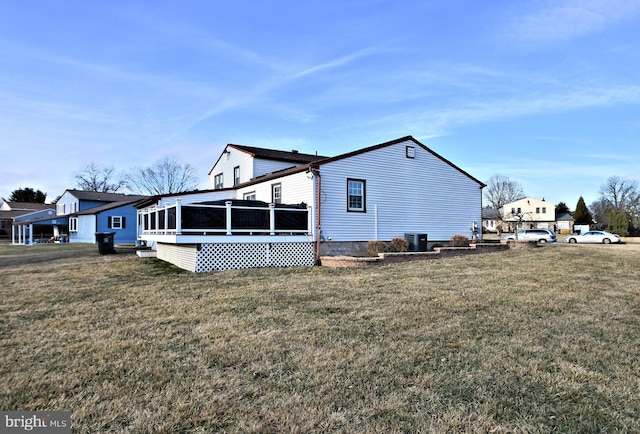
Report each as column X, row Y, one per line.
column 218, row 181
column 236, row 175
column 116, row 222
column 276, row 193
column 249, row 196
column 356, row 195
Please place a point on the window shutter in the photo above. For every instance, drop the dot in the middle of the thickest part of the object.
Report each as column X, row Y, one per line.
column 123, row 222
column 109, row 222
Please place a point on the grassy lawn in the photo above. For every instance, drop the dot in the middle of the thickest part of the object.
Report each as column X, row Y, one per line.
column 539, row 340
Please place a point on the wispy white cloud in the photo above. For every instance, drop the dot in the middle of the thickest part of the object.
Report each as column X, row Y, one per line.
column 336, row 63
column 437, row 122
column 561, row 20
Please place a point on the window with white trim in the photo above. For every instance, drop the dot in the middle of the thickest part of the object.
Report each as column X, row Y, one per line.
column 116, row 222
column 73, row 224
column 356, row 195
column 236, row 175
column 249, row 196
column 276, row 193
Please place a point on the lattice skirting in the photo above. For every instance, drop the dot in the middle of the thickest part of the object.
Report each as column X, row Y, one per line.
column 233, row 256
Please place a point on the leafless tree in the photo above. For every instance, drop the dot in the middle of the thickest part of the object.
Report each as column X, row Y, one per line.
column 102, row 179
column 500, row 190
column 620, row 194
column 165, row 176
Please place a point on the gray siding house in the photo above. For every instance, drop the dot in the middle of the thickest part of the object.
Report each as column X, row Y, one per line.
column 375, row 193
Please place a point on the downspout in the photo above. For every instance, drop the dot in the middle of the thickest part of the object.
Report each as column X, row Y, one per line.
column 316, row 173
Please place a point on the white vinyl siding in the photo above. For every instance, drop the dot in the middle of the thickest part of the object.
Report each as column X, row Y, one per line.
column 226, row 165
column 197, row 197
column 422, row 194
column 67, row 204
column 529, row 210
column 86, row 226
column 247, row 166
column 262, row 167
column 295, row 188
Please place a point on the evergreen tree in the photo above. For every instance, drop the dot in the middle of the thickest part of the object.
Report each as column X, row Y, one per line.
column 619, row 222
column 562, row 208
column 27, row 195
column 581, row 215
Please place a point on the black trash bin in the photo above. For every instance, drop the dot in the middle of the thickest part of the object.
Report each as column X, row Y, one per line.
column 105, row 242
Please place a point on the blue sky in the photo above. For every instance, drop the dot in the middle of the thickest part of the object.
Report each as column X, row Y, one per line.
column 546, row 92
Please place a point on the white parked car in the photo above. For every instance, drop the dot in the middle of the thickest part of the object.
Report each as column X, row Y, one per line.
column 597, row 237
column 541, row 235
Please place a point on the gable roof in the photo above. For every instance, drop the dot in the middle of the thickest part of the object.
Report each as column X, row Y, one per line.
column 324, row 160
column 98, row 196
column 24, row 206
column 491, row 213
column 274, row 154
column 38, row 216
column 395, row 142
column 294, row 157
column 564, row 217
column 105, row 207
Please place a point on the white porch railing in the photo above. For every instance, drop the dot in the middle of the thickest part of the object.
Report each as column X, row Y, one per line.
column 227, row 219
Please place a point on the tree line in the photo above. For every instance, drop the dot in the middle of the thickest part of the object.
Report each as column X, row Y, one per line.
column 617, row 208
column 165, row 176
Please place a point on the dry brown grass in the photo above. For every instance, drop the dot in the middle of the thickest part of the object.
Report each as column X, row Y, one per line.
column 540, row 340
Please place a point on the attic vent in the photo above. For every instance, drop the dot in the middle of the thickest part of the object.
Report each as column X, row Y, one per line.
column 410, row 152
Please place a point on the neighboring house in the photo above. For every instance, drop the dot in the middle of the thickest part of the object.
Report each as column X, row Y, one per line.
column 491, row 220
column 529, row 213
column 38, row 227
column 117, row 217
column 80, row 214
column 375, row 193
column 9, row 210
column 564, row 223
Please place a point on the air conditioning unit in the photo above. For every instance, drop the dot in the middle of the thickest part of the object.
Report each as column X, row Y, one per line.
column 417, row 242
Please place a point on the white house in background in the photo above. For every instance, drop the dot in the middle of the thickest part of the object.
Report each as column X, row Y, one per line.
column 375, row 193
column 529, row 213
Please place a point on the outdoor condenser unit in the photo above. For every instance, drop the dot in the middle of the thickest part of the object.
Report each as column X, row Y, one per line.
column 417, row 242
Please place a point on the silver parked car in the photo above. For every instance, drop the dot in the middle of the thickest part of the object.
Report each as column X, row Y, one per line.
column 541, row 235
column 594, row 237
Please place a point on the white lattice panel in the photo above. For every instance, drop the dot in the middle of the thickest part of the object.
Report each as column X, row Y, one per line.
column 234, row 256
